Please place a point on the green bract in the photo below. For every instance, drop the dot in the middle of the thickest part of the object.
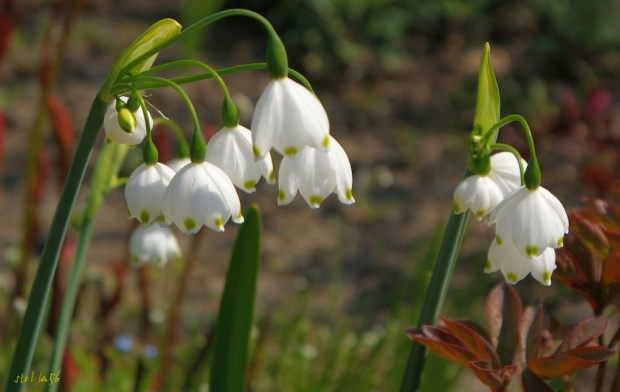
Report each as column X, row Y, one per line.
column 487, row 101
column 154, row 36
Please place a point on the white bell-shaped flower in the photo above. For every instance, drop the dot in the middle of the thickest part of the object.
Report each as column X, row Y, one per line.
column 153, row 243
column 482, row 193
column 145, row 189
column 288, row 117
column 316, row 174
column 200, row 194
column 515, row 266
column 532, row 220
column 231, row 150
column 115, row 134
column 177, row 164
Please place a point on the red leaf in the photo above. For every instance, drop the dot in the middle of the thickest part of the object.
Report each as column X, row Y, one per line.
column 558, row 365
column 473, row 341
column 442, row 344
column 530, row 382
column 590, row 233
column 583, row 332
column 532, row 331
column 496, row 379
column 494, row 312
column 508, row 339
column 611, row 269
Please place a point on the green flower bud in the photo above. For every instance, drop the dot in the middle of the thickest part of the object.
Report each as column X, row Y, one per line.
column 120, row 104
column 126, row 120
column 133, row 103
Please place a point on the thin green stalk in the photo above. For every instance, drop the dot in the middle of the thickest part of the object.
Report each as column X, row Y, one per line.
column 33, row 318
column 435, row 296
column 125, row 87
column 68, row 302
column 103, row 179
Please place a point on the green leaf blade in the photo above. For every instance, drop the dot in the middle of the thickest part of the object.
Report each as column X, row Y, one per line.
column 232, row 336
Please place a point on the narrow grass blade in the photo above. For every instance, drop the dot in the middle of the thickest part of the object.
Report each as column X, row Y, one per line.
column 232, row 334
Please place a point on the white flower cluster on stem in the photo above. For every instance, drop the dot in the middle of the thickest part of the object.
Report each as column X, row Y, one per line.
column 194, row 193
column 530, row 223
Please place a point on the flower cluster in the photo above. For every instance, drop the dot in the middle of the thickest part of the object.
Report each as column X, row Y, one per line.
column 200, row 191
column 530, row 222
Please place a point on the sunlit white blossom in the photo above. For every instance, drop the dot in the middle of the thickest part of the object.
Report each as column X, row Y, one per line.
column 231, row 150
column 200, row 194
column 532, row 220
column 515, row 266
column 153, row 243
column 288, row 117
column 115, row 134
column 316, row 174
column 482, row 193
column 145, row 189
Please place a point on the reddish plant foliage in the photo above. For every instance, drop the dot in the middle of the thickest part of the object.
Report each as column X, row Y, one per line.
column 515, row 340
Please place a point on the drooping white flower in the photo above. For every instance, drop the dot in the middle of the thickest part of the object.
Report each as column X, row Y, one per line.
column 200, row 194
column 288, row 117
column 316, row 174
column 153, row 243
column 482, row 193
column 515, row 266
column 115, row 134
column 145, row 189
column 177, row 164
column 532, row 220
column 231, row 150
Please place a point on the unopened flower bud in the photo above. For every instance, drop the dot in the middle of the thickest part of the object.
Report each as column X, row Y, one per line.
column 126, row 120
column 133, row 103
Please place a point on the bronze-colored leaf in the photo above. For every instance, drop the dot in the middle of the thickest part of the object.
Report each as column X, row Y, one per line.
column 582, row 333
column 496, row 379
column 558, row 365
column 532, row 383
column 473, row 341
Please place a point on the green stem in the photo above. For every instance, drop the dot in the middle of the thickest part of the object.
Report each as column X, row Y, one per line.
column 124, row 88
column 68, row 301
column 182, row 93
column 191, row 29
column 33, row 318
column 435, row 295
column 513, row 151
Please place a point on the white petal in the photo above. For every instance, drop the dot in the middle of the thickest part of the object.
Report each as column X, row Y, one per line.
column 319, row 179
column 288, row 179
column 505, row 171
column 153, row 243
column 114, row 132
column 543, row 266
column 515, row 266
column 268, row 118
column 305, row 121
column 231, row 150
column 478, row 193
column 494, row 258
column 339, row 162
column 145, row 189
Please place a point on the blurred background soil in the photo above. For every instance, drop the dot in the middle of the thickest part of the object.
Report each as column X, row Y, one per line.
column 398, row 81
